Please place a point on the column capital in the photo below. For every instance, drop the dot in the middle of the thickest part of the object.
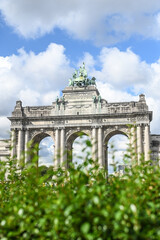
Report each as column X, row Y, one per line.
column 60, row 128
column 146, row 124
column 13, row 129
column 20, row 129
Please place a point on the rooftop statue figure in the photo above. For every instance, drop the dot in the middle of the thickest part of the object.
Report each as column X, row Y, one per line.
column 75, row 74
column 80, row 78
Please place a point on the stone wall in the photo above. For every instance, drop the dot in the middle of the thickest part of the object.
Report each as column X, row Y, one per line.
column 155, row 147
column 4, row 149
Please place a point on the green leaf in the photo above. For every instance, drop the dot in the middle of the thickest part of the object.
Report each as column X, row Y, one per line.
column 85, row 227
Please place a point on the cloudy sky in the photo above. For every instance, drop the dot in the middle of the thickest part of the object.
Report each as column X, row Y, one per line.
column 43, row 41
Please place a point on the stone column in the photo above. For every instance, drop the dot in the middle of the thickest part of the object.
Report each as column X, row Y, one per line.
column 62, row 149
column 146, row 143
column 20, row 146
column 26, row 146
column 105, row 156
column 94, row 143
column 57, row 148
column 100, row 147
column 139, row 142
column 133, row 145
column 13, row 143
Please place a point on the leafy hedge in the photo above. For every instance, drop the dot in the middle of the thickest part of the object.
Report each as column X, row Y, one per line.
column 81, row 203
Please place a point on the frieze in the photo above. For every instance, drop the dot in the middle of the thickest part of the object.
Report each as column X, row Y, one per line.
column 15, row 123
column 78, row 106
column 142, row 118
column 78, row 121
column 119, row 120
column 41, row 122
column 79, row 96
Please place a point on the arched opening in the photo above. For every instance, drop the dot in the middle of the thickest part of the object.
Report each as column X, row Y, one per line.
column 45, row 153
column 116, row 148
column 78, row 149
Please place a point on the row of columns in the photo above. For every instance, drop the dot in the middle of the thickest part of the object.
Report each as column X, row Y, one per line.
column 19, row 144
column 19, row 140
column 140, row 143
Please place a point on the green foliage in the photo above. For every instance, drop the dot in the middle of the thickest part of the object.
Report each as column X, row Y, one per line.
column 79, row 203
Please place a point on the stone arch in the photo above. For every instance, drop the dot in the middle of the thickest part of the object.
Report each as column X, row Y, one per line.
column 39, row 136
column 36, row 138
column 76, row 133
column 106, row 139
column 71, row 138
column 114, row 132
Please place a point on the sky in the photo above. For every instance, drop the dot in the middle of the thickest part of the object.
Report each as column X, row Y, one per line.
column 43, row 41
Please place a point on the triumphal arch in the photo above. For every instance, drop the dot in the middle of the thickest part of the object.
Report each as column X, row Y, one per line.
column 81, row 109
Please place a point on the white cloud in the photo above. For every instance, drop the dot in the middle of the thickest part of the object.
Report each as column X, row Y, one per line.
column 4, row 127
column 46, row 152
column 123, row 76
column 80, row 151
column 122, row 69
column 100, row 20
column 38, row 79
column 34, row 79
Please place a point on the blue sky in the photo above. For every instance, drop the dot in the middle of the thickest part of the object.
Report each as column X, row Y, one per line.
column 42, row 42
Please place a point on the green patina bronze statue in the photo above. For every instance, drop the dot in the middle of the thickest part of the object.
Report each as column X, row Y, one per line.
column 80, row 79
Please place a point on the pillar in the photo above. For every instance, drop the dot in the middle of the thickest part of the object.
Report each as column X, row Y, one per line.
column 13, row 143
column 100, row 147
column 146, row 143
column 105, row 156
column 94, row 143
column 26, row 146
column 139, row 142
column 133, row 145
column 20, row 146
column 57, row 148
column 62, row 149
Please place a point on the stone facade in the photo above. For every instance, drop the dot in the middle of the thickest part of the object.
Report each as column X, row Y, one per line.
column 155, row 147
column 81, row 109
column 4, row 149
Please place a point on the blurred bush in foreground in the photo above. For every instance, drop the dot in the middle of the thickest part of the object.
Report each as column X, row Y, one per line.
column 79, row 203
